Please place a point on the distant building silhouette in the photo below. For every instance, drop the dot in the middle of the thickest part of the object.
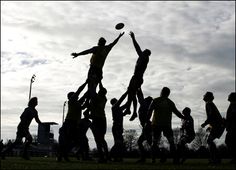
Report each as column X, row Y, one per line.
column 45, row 135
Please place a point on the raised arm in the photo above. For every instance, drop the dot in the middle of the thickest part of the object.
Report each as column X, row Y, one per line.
column 121, row 99
column 80, row 89
column 136, row 45
column 91, row 50
column 116, row 40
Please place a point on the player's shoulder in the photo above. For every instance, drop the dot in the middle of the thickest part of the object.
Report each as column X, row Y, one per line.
column 156, row 99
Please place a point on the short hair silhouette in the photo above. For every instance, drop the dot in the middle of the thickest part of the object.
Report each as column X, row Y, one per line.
column 70, row 94
column 102, row 91
column 186, row 111
column 147, row 52
column 149, row 99
column 208, row 96
column 232, row 97
column 33, row 102
column 165, row 92
column 113, row 101
column 102, row 41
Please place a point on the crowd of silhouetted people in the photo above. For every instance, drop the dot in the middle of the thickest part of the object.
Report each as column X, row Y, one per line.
column 87, row 110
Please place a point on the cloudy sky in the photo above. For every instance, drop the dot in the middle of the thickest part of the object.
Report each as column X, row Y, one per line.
column 192, row 44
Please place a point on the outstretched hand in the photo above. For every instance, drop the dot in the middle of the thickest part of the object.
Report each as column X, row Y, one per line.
column 121, row 34
column 131, row 34
column 74, row 55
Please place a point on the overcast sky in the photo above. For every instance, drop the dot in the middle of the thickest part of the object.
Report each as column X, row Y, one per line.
column 192, row 44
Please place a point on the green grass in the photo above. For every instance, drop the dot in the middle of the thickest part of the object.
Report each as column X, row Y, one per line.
column 37, row 163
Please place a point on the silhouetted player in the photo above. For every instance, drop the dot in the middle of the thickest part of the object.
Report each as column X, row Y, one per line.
column 216, row 122
column 161, row 121
column 23, row 128
column 187, row 134
column 230, row 138
column 68, row 131
column 99, row 124
column 146, row 134
column 83, row 127
column 137, row 79
column 100, row 53
column 117, row 128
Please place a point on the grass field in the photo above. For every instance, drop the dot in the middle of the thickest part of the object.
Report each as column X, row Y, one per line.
column 37, row 163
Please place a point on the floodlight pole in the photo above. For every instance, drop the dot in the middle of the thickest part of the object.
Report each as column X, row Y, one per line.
column 31, row 82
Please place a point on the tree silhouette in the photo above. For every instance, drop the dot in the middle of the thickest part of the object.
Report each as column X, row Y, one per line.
column 130, row 139
column 200, row 139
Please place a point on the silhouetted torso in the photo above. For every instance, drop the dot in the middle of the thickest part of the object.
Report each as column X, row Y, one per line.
column 188, row 126
column 99, row 55
column 231, row 117
column 214, row 117
column 141, row 65
column 27, row 116
column 117, row 116
column 163, row 111
column 98, row 106
column 143, row 109
column 74, row 110
column 83, row 126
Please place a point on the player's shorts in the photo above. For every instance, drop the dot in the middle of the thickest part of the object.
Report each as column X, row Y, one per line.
column 95, row 73
column 167, row 132
column 135, row 83
column 22, row 131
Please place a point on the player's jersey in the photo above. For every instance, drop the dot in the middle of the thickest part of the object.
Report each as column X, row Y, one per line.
column 214, row 117
column 163, row 108
column 141, row 65
column 98, row 107
column 188, row 126
column 74, row 111
column 27, row 116
column 99, row 56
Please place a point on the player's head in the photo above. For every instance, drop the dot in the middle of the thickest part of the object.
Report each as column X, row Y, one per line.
column 165, row 92
column 70, row 94
column 232, row 97
column 186, row 111
column 148, row 99
column 101, row 41
column 113, row 101
column 33, row 102
column 147, row 52
column 102, row 91
column 208, row 97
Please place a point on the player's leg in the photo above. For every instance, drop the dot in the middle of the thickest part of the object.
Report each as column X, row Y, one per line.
column 212, row 147
column 141, row 147
column 156, row 137
column 168, row 133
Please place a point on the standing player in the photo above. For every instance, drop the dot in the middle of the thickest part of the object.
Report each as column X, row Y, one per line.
column 161, row 122
column 216, row 122
column 23, row 128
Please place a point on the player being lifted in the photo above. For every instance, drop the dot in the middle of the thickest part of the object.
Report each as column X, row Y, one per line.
column 137, row 79
column 99, row 55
